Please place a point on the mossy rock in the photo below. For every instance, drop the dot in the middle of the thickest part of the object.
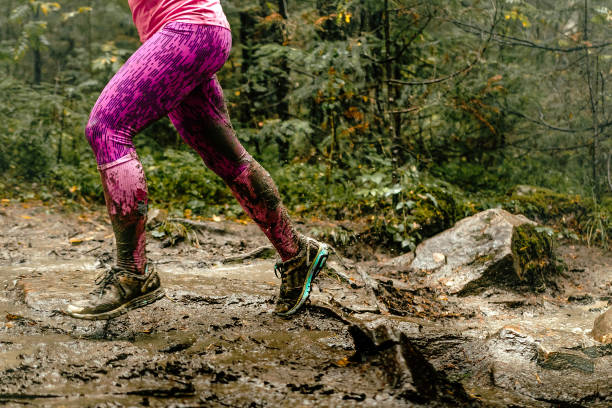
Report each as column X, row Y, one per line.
column 490, row 249
column 435, row 210
column 535, row 263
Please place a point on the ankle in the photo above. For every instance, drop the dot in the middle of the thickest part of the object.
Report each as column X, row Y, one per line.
column 131, row 266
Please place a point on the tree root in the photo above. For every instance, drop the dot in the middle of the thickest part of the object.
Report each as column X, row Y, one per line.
column 265, row 251
column 201, row 225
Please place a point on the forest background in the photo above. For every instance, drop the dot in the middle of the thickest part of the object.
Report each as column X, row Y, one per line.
column 400, row 116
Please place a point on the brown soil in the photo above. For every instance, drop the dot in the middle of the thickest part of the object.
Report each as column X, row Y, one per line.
column 214, row 341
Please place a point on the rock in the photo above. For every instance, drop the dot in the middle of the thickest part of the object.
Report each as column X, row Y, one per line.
column 400, row 261
column 520, row 361
column 492, row 247
column 406, row 368
column 602, row 329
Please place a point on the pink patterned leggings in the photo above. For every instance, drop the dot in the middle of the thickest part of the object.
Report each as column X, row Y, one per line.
column 173, row 73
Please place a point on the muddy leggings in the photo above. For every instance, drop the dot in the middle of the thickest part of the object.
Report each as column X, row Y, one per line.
column 173, row 74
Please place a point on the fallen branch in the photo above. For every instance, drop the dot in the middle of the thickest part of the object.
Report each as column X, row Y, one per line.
column 265, row 251
column 199, row 225
column 92, row 249
column 350, row 311
column 336, row 271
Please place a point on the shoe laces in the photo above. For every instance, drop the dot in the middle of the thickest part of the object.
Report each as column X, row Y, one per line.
column 280, row 268
column 107, row 278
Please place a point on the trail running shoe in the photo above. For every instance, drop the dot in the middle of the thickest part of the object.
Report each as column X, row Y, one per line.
column 117, row 292
column 297, row 275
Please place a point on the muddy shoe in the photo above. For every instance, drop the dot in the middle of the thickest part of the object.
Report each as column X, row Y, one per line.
column 118, row 291
column 297, row 275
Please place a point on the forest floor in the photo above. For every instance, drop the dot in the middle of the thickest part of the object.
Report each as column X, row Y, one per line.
column 214, row 341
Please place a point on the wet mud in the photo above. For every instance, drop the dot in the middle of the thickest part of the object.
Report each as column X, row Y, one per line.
column 369, row 337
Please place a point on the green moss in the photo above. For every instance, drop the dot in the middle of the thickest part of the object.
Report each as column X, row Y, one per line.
column 534, row 259
column 587, row 219
column 545, row 205
column 434, row 211
column 482, row 259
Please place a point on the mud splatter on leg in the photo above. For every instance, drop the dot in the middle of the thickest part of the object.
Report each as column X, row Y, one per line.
column 256, row 192
column 125, row 191
column 152, row 82
column 203, row 122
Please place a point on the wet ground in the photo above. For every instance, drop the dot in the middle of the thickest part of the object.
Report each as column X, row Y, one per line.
column 370, row 336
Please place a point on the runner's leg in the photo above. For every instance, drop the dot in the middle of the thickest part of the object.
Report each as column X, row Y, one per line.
column 151, row 83
column 203, row 122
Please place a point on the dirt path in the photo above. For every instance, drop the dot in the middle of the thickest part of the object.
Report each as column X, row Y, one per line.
column 215, row 342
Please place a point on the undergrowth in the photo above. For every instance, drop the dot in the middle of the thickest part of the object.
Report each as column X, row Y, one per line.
column 357, row 204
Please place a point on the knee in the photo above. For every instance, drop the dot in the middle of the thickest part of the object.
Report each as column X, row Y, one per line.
column 94, row 131
column 108, row 140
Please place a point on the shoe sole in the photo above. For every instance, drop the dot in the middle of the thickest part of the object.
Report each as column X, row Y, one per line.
column 314, row 270
column 135, row 303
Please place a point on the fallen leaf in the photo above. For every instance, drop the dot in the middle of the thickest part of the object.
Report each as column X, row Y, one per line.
column 342, row 362
column 77, row 241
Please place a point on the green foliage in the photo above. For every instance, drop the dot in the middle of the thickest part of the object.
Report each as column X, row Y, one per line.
column 572, row 215
column 403, row 120
column 545, row 205
column 180, row 179
column 297, row 133
column 25, row 133
column 598, row 225
column 76, row 181
column 413, row 210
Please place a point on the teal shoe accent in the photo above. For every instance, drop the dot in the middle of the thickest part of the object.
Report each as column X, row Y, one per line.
column 315, row 267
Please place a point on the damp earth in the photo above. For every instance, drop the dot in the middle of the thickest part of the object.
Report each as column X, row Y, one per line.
column 370, row 336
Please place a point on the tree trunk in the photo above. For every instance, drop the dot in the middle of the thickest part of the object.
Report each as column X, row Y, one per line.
column 247, row 32
column 37, row 57
column 89, row 39
column 282, row 86
column 37, row 65
column 391, row 119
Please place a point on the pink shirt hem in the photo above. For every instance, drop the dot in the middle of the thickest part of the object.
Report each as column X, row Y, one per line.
column 150, row 16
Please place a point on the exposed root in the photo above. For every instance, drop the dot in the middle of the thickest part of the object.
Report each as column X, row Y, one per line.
column 265, row 251
column 201, row 225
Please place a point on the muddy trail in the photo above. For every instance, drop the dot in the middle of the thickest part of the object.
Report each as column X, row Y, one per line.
column 369, row 337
